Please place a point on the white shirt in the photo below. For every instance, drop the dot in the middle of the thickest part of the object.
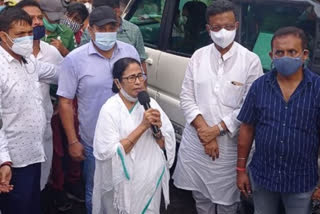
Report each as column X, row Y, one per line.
column 214, row 87
column 146, row 167
column 48, row 54
column 21, row 109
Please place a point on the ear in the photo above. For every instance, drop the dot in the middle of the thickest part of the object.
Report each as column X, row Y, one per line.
column 271, row 54
column 237, row 25
column 4, row 38
column 208, row 28
column 305, row 55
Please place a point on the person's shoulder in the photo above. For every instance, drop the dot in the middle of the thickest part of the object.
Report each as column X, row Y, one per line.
column 82, row 50
column 315, row 78
column 49, row 49
column 111, row 104
column 130, row 26
column 201, row 51
column 127, row 48
column 124, row 45
column 65, row 30
column 246, row 52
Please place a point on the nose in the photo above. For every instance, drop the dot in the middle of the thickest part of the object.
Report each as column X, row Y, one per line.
column 37, row 21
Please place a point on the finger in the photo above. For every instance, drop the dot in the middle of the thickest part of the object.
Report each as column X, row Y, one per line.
column 217, row 152
column 247, row 188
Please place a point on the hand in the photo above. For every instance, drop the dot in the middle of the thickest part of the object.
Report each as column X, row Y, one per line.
column 316, row 194
column 76, row 151
column 243, row 183
column 207, row 134
column 151, row 117
column 5, row 178
column 212, row 149
column 61, row 48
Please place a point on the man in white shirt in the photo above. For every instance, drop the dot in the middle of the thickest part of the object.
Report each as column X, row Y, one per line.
column 216, row 82
column 43, row 52
column 22, row 113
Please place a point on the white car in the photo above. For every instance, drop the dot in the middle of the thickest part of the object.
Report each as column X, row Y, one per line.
column 174, row 29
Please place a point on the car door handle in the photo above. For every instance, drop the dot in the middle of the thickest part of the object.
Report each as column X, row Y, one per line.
column 149, row 61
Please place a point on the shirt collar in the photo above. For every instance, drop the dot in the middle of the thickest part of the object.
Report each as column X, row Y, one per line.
column 6, row 55
column 92, row 50
column 227, row 55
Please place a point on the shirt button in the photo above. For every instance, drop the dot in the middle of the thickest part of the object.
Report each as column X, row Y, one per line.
column 281, row 141
column 284, row 124
column 286, row 107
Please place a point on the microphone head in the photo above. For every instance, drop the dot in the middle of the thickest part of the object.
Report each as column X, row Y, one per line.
column 143, row 97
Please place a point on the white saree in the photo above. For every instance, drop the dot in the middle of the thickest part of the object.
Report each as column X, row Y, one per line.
column 130, row 183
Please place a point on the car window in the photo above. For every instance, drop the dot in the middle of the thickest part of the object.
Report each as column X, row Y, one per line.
column 148, row 17
column 260, row 21
column 189, row 27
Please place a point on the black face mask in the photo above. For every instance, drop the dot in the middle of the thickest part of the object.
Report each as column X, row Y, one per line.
column 39, row 32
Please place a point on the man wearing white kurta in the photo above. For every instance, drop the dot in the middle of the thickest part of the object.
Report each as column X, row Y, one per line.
column 216, row 82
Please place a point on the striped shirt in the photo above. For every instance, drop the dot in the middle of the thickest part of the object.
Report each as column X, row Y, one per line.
column 286, row 133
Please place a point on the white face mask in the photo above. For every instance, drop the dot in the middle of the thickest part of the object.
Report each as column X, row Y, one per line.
column 22, row 46
column 223, row 38
column 128, row 97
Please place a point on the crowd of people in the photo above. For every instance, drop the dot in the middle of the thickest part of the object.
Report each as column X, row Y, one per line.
column 71, row 73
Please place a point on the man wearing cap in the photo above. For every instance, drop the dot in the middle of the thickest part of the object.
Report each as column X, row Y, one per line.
column 87, row 75
column 127, row 32
column 58, row 35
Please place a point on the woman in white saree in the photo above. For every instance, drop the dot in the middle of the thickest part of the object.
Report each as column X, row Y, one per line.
column 131, row 167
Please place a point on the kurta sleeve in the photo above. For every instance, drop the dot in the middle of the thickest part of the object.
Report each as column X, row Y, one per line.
column 255, row 71
column 187, row 96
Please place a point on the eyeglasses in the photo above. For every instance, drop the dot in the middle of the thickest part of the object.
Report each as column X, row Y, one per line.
column 132, row 78
column 217, row 28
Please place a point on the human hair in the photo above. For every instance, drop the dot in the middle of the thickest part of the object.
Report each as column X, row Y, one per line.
column 291, row 30
column 28, row 3
column 11, row 16
column 218, row 7
column 78, row 8
column 111, row 3
column 118, row 69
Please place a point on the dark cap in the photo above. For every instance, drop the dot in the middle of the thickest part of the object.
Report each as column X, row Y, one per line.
column 101, row 16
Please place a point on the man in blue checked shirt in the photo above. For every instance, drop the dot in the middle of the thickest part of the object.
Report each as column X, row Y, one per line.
column 282, row 114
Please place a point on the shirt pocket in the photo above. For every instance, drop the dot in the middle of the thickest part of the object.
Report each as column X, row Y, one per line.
column 231, row 93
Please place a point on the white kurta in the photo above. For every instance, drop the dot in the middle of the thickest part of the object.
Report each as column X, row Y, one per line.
column 130, row 183
column 208, row 90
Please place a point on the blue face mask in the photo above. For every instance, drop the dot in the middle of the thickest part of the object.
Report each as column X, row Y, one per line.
column 105, row 40
column 39, row 32
column 287, row 66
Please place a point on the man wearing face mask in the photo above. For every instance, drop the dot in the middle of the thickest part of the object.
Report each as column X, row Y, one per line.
column 127, row 32
column 22, row 114
column 44, row 53
column 216, row 82
column 58, row 35
column 74, row 18
column 282, row 113
column 88, row 76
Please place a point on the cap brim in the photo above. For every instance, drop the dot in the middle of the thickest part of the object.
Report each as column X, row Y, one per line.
column 104, row 22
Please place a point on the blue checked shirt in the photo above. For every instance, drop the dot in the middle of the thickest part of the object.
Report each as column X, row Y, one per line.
column 286, row 133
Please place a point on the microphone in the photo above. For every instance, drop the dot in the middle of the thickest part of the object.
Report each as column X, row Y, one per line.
column 144, row 100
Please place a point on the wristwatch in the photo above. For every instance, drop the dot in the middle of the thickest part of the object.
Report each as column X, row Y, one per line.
column 222, row 131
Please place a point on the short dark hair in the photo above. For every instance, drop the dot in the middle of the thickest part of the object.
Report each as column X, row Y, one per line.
column 218, row 7
column 13, row 15
column 291, row 30
column 118, row 69
column 79, row 8
column 111, row 3
column 28, row 3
